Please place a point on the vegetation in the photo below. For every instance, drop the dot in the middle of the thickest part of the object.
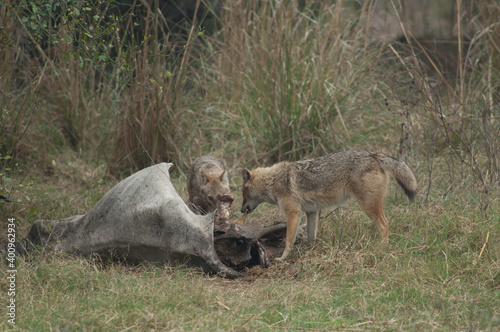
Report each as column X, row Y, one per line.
column 91, row 91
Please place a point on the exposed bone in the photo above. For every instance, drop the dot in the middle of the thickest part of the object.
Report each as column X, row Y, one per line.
column 223, row 209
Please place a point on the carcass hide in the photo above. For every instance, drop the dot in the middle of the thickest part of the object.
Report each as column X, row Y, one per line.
column 142, row 218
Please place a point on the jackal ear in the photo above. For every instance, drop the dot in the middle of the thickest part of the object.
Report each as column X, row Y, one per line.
column 223, row 177
column 204, row 178
column 247, row 175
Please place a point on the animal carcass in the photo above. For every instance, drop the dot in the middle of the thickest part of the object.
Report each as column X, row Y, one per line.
column 142, row 218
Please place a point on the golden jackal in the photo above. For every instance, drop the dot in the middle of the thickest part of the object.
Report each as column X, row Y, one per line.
column 311, row 185
column 207, row 181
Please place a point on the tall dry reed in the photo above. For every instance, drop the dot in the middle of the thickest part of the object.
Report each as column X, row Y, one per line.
column 288, row 73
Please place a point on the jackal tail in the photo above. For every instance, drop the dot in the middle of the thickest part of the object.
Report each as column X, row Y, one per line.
column 402, row 173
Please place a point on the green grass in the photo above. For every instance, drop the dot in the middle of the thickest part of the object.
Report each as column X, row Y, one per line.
column 347, row 293
column 432, row 276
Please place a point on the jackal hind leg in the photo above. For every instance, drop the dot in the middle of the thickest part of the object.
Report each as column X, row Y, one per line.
column 374, row 209
column 370, row 192
column 371, row 195
column 312, row 225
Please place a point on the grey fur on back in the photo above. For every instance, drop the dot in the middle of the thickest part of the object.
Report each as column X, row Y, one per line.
column 337, row 169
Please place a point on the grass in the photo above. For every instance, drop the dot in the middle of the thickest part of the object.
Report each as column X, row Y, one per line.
column 434, row 275
column 288, row 76
column 341, row 290
column 272, row 81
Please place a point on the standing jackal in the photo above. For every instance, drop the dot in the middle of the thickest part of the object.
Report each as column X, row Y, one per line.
column 207, row 182
column 311, row 185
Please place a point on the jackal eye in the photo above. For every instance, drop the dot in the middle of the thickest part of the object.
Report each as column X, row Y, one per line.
column 210, row 198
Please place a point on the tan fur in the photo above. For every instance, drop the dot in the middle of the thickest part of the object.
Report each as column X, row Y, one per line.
column 207, row 181
column 309, row 186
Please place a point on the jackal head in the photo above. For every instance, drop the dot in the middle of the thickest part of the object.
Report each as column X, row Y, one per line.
column 214, row 187
column 252, row 196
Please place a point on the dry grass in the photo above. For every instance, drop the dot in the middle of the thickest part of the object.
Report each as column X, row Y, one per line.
column 294, row 72
column 434, row 275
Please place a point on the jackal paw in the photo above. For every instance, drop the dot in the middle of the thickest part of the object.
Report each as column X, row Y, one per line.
column 279, row 259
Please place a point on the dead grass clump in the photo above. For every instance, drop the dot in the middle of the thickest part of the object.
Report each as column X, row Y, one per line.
column 290, row 71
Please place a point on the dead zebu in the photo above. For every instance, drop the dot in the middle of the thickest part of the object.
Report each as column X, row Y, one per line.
column 143, row 218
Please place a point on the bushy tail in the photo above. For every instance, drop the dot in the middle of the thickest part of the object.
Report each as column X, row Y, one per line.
column 403, row 174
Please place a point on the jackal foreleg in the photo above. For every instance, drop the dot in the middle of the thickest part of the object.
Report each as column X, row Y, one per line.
column 293, row 213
